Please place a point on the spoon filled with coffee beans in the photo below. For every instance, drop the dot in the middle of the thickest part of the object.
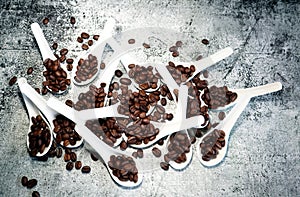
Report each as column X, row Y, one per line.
column 56, row 79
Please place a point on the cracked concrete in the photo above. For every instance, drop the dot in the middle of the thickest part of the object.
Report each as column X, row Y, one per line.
column 263, row 157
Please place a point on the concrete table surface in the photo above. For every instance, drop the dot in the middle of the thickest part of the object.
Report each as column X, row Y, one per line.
column 263, row 157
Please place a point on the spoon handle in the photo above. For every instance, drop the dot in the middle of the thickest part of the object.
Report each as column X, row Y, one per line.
column 42, row 42
column 261, row 90
column 103, row 112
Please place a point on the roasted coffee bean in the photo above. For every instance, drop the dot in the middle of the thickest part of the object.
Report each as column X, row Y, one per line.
column 205, row 41
column 67, row 157
column 35, row 194
column 44, row 90
column 175, row 54
column 94, row 158
column 96, row 37
column 85, row 47
column 205, row 74
column 58, row 152
column 173, row 49
column 63, row 51
column 31, row 183
column 163, row 101
column 140, row 153
column 118, row 73
column 131, row 41
column 78, row 165
column 72, row 20
column 199, row 57
column 45, row 21
column 102, row 65
column 146, row 46
column 90, row 42
column 125, row 81
column 179, row 44
column 73, row 156
column 69, row 67
column 130, row 66
column 164, row 166
column 29, row 70
column 37, row 90
column 156, row 152
column 85, row 35
column 79, row 39
column 221, row 115
column 24, row 181
column 54, row 45
column 12, row 81
column 123, row 145
column 86, row 169
column 70, row 166
column 70, row 61
column 69, row 103
column 134, row 154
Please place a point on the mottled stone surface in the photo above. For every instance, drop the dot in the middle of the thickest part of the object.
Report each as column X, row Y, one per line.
column 263, row 157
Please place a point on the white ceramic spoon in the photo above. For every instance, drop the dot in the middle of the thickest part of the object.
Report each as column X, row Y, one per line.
column 45, row 50
column 40, row 102
column 98, row 145
column 33, row 111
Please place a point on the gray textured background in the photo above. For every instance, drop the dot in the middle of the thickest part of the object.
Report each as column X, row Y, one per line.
column 263, row 157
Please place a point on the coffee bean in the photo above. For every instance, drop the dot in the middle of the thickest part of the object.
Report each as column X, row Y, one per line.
column 205, row 74
column 79, row 39
column 118, row 73
column 205, row 41
column 173, row 49
column 73, row 156
column 59, row 152
column 199, row 57
column 221, row 115
column 90, row 42
column 163, row 101
column 96, row 37
column 12, row 81
column 175, row 54
column 45, row 21
column 69, row 67
column 102, row 65
column 44, row 90
column 70, row 61
column 131, row 41
column 156, row 152
column 86, row 169
column 140, row 153
column 164, row 166
column 78, row 165
column 69, row 166
column 179, row 44
column 69, row 103
column 130, row 66
column 146, row 46
column 85, row 35
column 54, row 45
column 72, row 20
column 37, row 90
column 29, row 70
column 85, row 47
column 31, row 183
column 63, row 51
column 24, row 181
column 35, row 194
column 94, row 158
column 123, row 145
column 125, row 81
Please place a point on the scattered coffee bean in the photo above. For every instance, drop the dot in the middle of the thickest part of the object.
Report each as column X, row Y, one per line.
column 90, row 42
column 54, row 45
column 205, row 41
column 134, row 154
column 12, row 81
column 221, row 115
column 102, row 65
column 72, row 20
column 94, row 157
column 78, row 165
column 63, row 51
column 199, row 57
column 118, row 73
column 173, row 49
column 69, row 166
column 175, row 54
column 45, row 21
column 59, row 152
column 123, row 145
column 156, row 152
column 85, row 35
column 35, row 194
column 80, row 40
column 178, row 44
column 164, row 166
column 146, row 46
column 29, row 70
column 37, row 90
column 205, row 74
column 44, row 91
column 140, row 153
column 131, row 41
column 31, row 183
column 73, row 156
column 96, row 37
column 125, row 81
column 85, row 47
column 69, row 67
column 24, row 181
column 70, row 61
column 86, row 169
column 69, row 103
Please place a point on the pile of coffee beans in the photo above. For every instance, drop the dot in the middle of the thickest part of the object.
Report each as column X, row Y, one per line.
column 39, row 136
column 56, row 77
column 86, row 69
column 143, row 76
column 211, row 144
column 215, row 97
column 174, row 49
column 93, row 98
column 106, row 129
column 65, row 131
column 178, row 147
column 124, row 168
column 180, row 73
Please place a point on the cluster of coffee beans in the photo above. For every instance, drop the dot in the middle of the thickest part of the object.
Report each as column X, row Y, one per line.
column 85, row 36
column 70, row 158
column 30, row 184
column 93, row 98
column 39, row 136
column 174, row 49
column 143, row 76
column 106, row 129
column 178, row 147
column 141, row 133
column 216, row 97
column 180, row 73
column 65, row 131
column 124, row 168
column 56, row 77
column 211, row 144
column 86, row 69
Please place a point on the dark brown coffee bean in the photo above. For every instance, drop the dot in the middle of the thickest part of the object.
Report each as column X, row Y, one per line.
column 163, row 101
column 31, row 183
column 85, row 35
column 173, row 49
column 164, row 166
column 44, row 90
column 54, row 45
column 69, row 166
column 179, row 44
column 70, row 61
column 140, row 153
column 37, row 90
column 94, row 158
column 85, row 47
column 205, row 41
column 96, row 37
column 123, row 145
column 45, row 21
column 131, row 41
column 80, row 40
column 67, row 157
column 221, row 115
column 102, row 65
column 146, row 46
column 24, row 181
column 12, row 81
column 69, row 103
column 205, row 74
column 86, row 169
column 78, row 165
column 63, row 52
column 130, row 66
column 35, row 194
column 175, row 54
column 73, row 156
column 90, row 42
column 72, row 20
column 156, row 152
column 199, row 57
column 125, row 81
column 69, row 67
column 59, row 152
column 29, row 70
column 118, row 73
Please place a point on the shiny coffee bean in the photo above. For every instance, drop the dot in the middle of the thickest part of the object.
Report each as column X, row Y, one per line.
column 29, row 70
column 78, row 165
column 86, row 169
column 12, row 81
column 35, row 194
column 70, row 166
column 156, row 152
column 24, row 181
column 31, row 183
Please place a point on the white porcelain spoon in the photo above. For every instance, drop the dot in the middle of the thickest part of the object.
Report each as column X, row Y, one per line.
column 33, row 111
column 98, row 145
column 39, row 101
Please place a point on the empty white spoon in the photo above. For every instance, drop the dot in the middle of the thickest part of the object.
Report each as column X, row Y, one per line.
column 33, row 111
